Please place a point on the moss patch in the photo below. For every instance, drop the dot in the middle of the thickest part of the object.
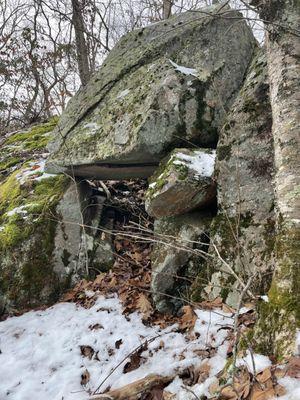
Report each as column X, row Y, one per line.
column 34, row 139
column 28, row 222
column 279, row 318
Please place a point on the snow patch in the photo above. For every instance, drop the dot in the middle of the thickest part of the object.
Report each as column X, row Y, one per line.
column 123, row 94
column 260, row 362
column 184, row 70
column 35, row 172
column 18, row 210
column 292, row 387
column 201, row 162
column 265, row 298
column 41, row 350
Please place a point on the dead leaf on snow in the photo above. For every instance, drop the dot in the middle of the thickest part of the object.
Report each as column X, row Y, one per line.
column 203, row 372
column 95, row 327
column 118, row 343
column 144, row 306
column 293, row 368
column 85, row 377
column 258, row 393
column 135, row 359
column 263, row 376
column 168, row 395
column 188, row 319
column 87, row 351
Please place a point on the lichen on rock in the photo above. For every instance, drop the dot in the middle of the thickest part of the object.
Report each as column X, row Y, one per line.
column 178, row 257
column 243, row 232
column 183, row 182
column 144, row 101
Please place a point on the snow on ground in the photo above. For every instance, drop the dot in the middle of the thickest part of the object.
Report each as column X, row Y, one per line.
column 292, row 387
column 40, row 351
column 256, row 362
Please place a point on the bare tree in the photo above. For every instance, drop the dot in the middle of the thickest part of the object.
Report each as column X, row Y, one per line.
column 167, row 8
column 81, row 46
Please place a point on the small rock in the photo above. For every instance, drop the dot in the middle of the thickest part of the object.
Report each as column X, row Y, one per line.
column 183, row 183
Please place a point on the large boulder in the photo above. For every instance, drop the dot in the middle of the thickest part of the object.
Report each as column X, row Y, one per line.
column 243, row 231
column 42, row 240
column 162, row 86
column 183, row 182
column 179, row 254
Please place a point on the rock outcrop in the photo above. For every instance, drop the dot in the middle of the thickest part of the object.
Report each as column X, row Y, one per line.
column 42, row 243
column 183, row 182
column 179, row 254
column 243, row 231
column 161, row 87
column 171, row 94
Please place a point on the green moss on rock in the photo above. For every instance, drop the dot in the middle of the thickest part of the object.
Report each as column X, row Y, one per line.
column 28, row 222
column 280, row 317
column 35, row 138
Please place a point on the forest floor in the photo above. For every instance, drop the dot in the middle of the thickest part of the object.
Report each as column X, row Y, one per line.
column 105, row 337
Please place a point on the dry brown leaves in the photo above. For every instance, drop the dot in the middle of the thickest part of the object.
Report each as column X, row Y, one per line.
column 263, row 386
column 188, row 318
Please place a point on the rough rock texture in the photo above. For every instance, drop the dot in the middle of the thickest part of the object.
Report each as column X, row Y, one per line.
column 243, row 231
column 280, row 317
column 141, row 103
column 177, row 258
column 183, row 182
column 40, row 236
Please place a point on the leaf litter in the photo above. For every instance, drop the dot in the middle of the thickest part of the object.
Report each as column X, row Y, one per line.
column 105, row 334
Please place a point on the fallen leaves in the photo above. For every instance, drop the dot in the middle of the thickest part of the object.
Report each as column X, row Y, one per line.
column 85, row 378
column 144, row 306
column 135, row 359
column 263, row 386
column 89, row 352
column 188, row 318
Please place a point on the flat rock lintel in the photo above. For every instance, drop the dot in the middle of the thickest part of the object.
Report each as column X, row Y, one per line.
column 112, row 171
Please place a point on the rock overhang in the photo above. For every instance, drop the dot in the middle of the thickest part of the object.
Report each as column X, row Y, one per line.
column 158, row 89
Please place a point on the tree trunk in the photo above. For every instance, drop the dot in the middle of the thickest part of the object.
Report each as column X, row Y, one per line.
column 280, row 316
column 167, row 8
column 81, row 46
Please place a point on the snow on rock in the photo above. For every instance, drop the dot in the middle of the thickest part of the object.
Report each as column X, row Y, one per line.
column 123, row 94
column 201, row 162
column 184, row 70
column 41, row 355
column 35, row 171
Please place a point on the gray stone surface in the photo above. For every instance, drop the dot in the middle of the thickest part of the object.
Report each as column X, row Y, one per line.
column 141, row 103
column 243, row 231
column 179, row 251
column 183, row 182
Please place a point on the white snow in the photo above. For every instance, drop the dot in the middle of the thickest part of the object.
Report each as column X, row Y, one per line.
column 40, row 351
column 152, row 185
column 297, row 344
column 265, row 298
column 184, row 70
column 292, row 387
column 34, row 168
column 123, row 94
column 18, row 210
column 260, row 362
column 201, row 162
